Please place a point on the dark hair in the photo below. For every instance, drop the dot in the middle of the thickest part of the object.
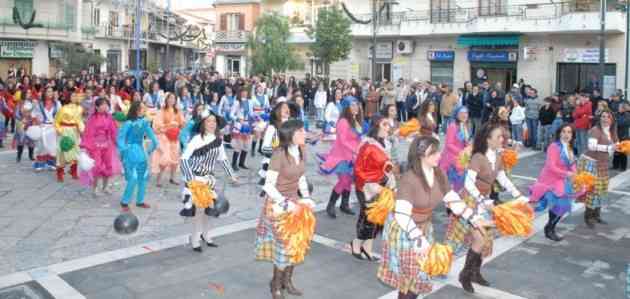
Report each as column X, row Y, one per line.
column 275, row 117
column 99, row 101
column 286, row 132
column 168, row 94
column 385, row 111
column 418, row 150
column 202, row 128
column 375, row 124
column 356, row 120
column 480, row 144
column 194, row 112
column 613, row 124
column 134, row 110
column 559, row 132
column 424, row 108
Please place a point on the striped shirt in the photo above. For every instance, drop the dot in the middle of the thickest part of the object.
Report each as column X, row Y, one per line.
column 201, row 154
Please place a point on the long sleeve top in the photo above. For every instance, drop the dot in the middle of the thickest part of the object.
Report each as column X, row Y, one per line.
column 130, row 141
column 100, row 132
column 69, row 115
column 200, row 155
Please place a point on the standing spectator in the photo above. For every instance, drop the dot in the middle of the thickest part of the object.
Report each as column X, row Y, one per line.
column 532, row 110
column 412, row 103
column 449, row 101
column 388, row 93
column 321, row 97
column 620, row 160
column 596, row 97
column 517, row 118
column 474, row 102
column 546, row 115
column 371, row 104
column 568, row 105
column 402, row 90
column 582, row 116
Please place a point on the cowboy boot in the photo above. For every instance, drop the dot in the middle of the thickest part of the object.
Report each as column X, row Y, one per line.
column 345, row 203
column 60, row 174
column 588, row 218
column 550, row 228
column 476, row 272
column 287, row 282
column 73, row 171
column 276, row 284
column 235, row 161
column 241, row 163
column 465, row 276
column 597, row 216
column 330, row 208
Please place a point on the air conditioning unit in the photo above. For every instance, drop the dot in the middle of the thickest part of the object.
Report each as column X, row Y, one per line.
column 404, row 47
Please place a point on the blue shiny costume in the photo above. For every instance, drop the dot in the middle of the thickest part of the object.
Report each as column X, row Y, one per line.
column 130, row 143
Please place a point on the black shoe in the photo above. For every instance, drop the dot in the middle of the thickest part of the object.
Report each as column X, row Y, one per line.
column 253, row 150
column 235, row 161
column 465, row 276
column 588, row 218
column 241, row 163
column 210, row 244
column 197, row 249
column 476, row 272
column 370, row 257
column 330, row 208
column 345, row 203
column 598, row 216
column 356, row 255
column 550, row 228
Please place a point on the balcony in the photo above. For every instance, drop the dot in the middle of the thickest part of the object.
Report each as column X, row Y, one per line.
column 567, row 17
column 52, row 29
column 231, row 36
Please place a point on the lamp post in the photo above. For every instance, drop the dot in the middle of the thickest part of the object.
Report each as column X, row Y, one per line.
column 136, row 41
column 625, row 90
column 374, row 27
column 602, row 46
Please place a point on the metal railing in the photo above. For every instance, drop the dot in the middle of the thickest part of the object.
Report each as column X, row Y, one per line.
column 48, row 24
column 231, row 36
column 465, row 15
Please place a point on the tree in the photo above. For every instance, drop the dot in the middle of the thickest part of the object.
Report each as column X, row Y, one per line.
column 269, row 46
column 332, row 35
column 77, row 58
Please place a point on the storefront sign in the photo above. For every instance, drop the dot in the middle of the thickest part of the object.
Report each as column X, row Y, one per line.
column 16, row 51
column 581, row 55
column 56, row 52
column 441, row 55
column 492, row 56
column 383, row 50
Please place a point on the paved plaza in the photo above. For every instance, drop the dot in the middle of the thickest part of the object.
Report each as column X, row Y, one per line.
column 57, row 241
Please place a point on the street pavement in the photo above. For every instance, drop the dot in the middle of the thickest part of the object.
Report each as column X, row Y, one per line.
column 57, row 241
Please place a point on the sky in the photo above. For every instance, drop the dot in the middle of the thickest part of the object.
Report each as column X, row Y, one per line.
column 186, row 4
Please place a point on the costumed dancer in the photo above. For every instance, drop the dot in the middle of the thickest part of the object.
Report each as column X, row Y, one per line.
column 373, row 169
column 424, row 124
column 458, row 141
column 339, row 159
column 153, row 100
column 331, row 115
column 187, row 133
column 69, row 125
column 284, row 177
column 167, row 124
column 391, row 115
column 197, row 166
column 130, row 142
column 46, row 147
column 485, row 167
column 242, row 116
column 225, row 110
column 408, row 231
column 280, row 114
column 554, row 187
column 99, row 141
column 602, row 143
column 261, row 109
column 24, row 119
column 500, row 117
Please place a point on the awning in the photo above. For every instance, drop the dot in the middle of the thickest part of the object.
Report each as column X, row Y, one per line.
column 488, row 40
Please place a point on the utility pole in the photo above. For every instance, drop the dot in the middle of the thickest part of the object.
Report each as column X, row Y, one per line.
column 602, row 46
column 625, row 90
column 168, row 34
column 136, row 41
column 374, row 27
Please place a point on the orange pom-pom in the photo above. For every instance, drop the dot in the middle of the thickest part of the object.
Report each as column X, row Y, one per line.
column 509, row 158
column 584, row 181
column 409, row 127
column 514, row 218
column 202, row 197
column 624, row 147
column 438, row 261
column 297, row 230
column 378, row 210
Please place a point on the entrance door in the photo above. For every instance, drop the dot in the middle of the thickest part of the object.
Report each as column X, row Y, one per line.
column 494, row 72
column 384, row 71
column 233, row 65
column 507, row 77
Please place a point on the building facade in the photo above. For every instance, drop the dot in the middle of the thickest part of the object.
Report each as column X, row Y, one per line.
column 104, row 27
column 552, row 46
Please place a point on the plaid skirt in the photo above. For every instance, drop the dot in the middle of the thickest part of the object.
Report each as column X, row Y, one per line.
column 400, row 267
column 269, row 245
column 459, row 232
column 599, row 195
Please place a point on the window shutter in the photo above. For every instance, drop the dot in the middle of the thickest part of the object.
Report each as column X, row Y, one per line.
column 241, row 22
column 223, row 25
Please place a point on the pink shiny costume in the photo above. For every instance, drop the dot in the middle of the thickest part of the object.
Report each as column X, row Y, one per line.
column 99, row 140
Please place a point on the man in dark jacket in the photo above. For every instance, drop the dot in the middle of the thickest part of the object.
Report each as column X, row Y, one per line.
column 620, row 160
column 474, row 102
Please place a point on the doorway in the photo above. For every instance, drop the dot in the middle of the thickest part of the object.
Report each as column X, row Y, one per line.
column 383, row 71
column 505, row 73
column 233, row 65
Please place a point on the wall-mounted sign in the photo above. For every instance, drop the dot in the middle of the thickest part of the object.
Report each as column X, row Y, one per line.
column 16, row 51
column 383, row 50
column 441, row 55
column 492, row 56
column 56, row 52
column 581, row 55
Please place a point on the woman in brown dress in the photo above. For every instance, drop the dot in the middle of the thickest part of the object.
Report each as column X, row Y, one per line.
column 427, row 118
column 284, row 178
column 485, row 167
column 408, row 232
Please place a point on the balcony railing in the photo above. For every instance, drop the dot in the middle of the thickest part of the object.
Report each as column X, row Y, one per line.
column 231, row 36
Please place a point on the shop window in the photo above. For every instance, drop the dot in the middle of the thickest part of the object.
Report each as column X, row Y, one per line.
column 442, row 73
column 574, row 77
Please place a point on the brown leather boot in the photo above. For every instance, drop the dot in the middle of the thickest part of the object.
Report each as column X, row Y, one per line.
column 59, row 174
column 276, row 284
column 465, row 277
column 287, row 282
column 476, row 272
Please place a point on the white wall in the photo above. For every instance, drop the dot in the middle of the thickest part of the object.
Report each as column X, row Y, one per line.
column 41, row 62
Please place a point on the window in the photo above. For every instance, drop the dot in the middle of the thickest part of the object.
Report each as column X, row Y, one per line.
column 233, row 65
column 25, row 7
column 442, row 11
column 573, row 77
column 232, row 22
column 492, row 7
column 113, row 18
column 69, row 15
column 96, row 17
column 442, row 72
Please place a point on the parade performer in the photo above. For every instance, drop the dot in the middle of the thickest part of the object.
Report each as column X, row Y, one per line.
column 225, row 110
column 373, row 168
column 391, row 115
column 280, row 114
column 130, row 142
column 197, row 166
column 485, row 167
column 24, row 119
column 332, row 114
column 424, row 124
column 458, row 140
column 154, row 99
column 187, row 133
column 339, row 159
column 167, row 124
column 99, row 141
column 500, row 117
column 602, row 143
column 261, row 116
column 285, row 177
column 554, row 187
column 408, row 231
column 69, row 125
column 242, row 116
column 46, row 147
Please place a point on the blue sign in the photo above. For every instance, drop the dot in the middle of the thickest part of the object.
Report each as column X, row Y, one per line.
column 492, row 56
column 441, row 55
